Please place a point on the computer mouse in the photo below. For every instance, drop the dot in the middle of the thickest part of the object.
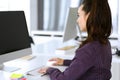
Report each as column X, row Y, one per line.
column 50, row 63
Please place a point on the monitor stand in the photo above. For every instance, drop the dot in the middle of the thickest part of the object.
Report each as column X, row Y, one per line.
column 8, row 68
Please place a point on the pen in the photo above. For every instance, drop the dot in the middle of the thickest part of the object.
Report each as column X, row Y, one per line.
column 44, row 74
column 30, row 74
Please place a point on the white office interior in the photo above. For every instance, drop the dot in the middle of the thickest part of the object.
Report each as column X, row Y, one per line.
column 46, row 21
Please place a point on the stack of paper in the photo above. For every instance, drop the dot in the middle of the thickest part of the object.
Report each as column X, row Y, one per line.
column 66, row 50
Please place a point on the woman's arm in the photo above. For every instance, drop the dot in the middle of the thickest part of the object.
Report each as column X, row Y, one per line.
column 79, row 65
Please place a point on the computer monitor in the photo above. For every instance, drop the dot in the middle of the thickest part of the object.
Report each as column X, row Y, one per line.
column 14, row 36
column 71, row 29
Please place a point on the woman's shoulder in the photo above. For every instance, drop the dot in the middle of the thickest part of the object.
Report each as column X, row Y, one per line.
column 92, row 46
column 87, row 49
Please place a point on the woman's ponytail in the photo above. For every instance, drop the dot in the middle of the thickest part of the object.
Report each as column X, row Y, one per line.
column 99, row 22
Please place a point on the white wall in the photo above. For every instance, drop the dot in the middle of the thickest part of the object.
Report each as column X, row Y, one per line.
column 119, row 21
column 7, row 5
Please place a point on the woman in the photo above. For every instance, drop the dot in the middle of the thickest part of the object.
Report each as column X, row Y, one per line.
column 93, row 58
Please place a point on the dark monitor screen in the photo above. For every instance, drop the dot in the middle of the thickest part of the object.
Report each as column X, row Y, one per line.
column 13, row 31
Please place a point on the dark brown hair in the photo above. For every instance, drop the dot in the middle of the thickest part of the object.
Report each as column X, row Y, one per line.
column 99, row 22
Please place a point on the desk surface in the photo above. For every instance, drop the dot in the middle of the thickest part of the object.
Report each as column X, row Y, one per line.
column 43, row 52
column 28, row 65
column 42, row 56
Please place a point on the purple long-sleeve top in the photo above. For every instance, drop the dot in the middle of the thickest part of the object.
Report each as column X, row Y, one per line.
column 91, row 62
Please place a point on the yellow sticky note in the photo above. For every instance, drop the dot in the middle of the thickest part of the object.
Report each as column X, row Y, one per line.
column 14, row 75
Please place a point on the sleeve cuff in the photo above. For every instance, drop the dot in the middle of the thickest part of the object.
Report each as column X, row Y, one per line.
column 50, row 70
column 66, row 62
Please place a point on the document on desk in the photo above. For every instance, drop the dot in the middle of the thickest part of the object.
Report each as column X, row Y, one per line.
column 36, row 73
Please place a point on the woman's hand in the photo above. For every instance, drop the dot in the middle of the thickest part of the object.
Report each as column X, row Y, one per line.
column 58, row 61
column 43, row 70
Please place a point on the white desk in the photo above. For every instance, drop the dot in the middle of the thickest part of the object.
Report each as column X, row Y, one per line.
column 45, row 53
column 27, row 65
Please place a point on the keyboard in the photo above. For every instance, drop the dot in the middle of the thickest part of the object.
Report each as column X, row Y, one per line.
column 34, row 72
